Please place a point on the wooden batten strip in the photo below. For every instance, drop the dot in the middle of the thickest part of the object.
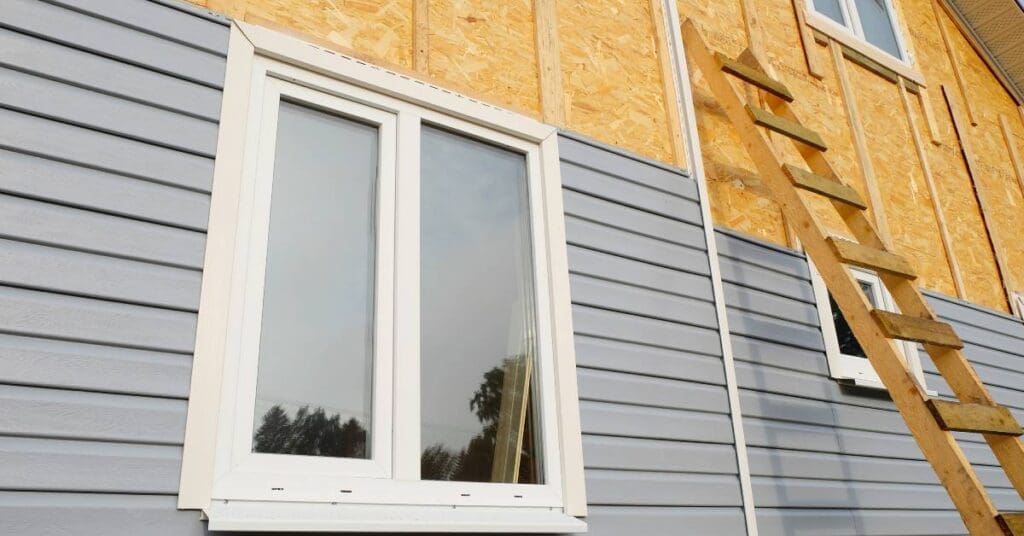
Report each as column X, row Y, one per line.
column 980, row 418
column 911, row 328
column 1011, row 146
column 832, row 189
column 929, row 116
column 754, row 76
column 815, row 67
column 786, row 127
column 420, row 35
column 878, row 260
column 870, row 64
column 954, row 60
column 675, row 125
column 549, row 62
column 995, row 240
column 860, row 145
column 933, row 191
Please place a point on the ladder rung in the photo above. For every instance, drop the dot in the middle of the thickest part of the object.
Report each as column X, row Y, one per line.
column 835, row 190
column 869, row 257
column 786, row 127
column 909, row 328
column 754, row 76
column 1013, row 522
column 979, row 418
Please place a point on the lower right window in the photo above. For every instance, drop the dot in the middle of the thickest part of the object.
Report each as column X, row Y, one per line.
column 847, row 361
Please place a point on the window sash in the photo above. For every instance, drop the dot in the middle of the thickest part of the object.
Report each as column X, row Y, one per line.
column 853, row 26
column 391, row 475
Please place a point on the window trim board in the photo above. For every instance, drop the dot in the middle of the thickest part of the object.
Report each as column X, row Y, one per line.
column 221, row 291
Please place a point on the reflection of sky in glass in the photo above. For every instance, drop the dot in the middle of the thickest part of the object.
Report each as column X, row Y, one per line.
column 831, row 9
column 316, row 341
column 878, row 27
column 476, row 277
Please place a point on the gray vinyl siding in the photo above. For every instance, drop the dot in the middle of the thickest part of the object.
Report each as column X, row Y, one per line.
column 658, row 443
column 828, row 459
column 109, row 116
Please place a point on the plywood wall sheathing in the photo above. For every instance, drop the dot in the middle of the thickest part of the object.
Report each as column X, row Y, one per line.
column 944, row 25
column 992, row 230
column 611, row 74
column 929, row 116
column 420, row 35
column 549, row 62
column 1011, row 147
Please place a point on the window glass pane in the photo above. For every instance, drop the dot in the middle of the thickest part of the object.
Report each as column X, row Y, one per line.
column 831, row 9
column 477, row 342
column 848, row 344
column 315, row 364
column 878, row 27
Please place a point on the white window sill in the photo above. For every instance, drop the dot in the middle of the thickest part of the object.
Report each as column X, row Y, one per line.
column 846, row 38
column 869, row 383
column 325, row 517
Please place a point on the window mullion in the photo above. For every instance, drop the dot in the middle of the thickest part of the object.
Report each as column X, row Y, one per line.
column 407, row 301
column 853, row 17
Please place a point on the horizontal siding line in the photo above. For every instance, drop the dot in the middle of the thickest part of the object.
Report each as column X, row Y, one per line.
column 649, row 345
column 657, row 471
column 73, row 162
column 688, row 441
column 969, row 341
column 719, row 230
column 58, row 437
column 987, row 329
column 631, row 284
column 92, row 128
column 974, row 306
column 642, row 315
column 5, row 331
column 766, row 291
column 71, row 389
column 60, row 203
column 142, row 66
column 608, row 224
column 627, row 257
column 761, row 313
column 100, row 91
column 86, row 492
column 165, row 37
column 606, row 147
column 985, row 365
column 754, row 389
column 652, row 406
column 765, row 338
column 620, row 202
column 748, row 262
column 650, row 375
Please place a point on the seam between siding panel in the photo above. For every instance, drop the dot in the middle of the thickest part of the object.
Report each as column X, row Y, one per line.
column 684, row 107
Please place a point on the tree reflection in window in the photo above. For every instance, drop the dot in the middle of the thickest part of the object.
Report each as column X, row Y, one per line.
column 310, row 433
column 848, row 344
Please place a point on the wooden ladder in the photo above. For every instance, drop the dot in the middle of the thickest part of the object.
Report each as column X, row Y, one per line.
column 930, row 421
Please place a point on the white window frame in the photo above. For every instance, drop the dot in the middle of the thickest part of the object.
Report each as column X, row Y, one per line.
column 241, row 490
column 853, row 37
column 851, row 368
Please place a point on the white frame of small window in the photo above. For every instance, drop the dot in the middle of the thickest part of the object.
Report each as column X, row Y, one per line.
column 853, row 37
column 218, row 468
column 851, row 368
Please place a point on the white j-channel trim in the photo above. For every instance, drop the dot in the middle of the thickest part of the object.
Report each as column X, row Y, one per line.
column 684, row 106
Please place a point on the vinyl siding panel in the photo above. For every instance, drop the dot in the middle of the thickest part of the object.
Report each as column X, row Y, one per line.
column 831, row 459
column 109, row 114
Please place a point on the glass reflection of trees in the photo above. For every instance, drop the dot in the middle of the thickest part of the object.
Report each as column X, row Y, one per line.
column 310, row 433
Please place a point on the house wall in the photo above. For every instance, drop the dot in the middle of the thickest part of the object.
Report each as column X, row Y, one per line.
column 109, row 114
column 828, row 459
column 601, row 67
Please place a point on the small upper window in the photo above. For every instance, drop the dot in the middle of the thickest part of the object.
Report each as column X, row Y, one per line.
column 846, row 358
column 872, row 21
column 384, row 339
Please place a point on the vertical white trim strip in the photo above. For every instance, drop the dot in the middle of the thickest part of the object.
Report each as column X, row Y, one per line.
column 684, row 104
column 198, row 456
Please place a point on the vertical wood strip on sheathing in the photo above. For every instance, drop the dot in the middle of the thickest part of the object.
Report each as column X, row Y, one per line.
column 611, row 75
column 420, row 35
column 675, row 126
column 552, row 94
column 728, row 169
column 488, row 46
column 902, row 193
column 940, row 216
column 1011, row 146
column 944, row 32
column 815, row 67
column 992, row 233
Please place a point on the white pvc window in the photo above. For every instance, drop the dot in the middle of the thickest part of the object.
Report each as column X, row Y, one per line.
column 392, row 326
column 872, row 22
column 846, row 359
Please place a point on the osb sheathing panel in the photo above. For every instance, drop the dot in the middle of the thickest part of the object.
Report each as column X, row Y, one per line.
column 611, row 75
column 726, row 162
column 488, row 46
column 905, row 195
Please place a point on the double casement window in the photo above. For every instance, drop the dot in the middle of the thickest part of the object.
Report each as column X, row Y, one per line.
column 384, row 338
column 847, row 361
column 861, row 22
